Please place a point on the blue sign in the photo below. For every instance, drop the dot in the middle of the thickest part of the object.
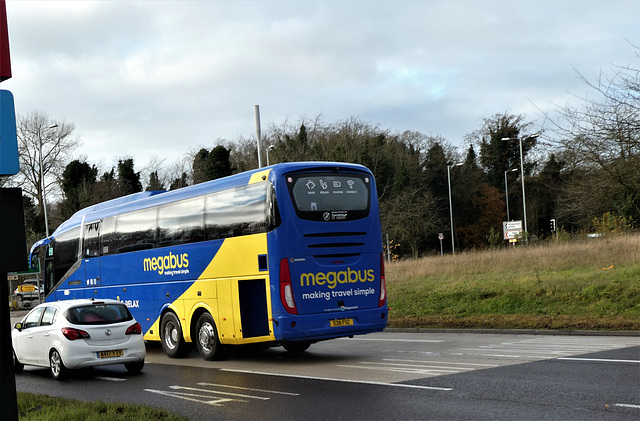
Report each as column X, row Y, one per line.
column 9, row 163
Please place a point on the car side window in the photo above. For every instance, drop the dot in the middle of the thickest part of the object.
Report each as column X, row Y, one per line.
column 33, row 318
column 49, row 316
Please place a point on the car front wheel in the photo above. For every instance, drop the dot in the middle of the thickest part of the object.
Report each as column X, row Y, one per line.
column 17, row 365
column 58, row 369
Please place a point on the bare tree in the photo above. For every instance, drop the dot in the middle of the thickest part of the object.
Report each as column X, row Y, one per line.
column 45, row 147
column 601, row 141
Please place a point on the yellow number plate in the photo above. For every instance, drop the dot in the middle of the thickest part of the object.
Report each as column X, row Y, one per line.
column 341, row 322
column 110, row 354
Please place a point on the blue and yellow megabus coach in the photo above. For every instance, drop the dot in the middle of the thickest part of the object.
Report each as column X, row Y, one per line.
column 288, row 255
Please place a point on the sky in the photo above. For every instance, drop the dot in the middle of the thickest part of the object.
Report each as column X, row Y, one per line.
column 156, row 79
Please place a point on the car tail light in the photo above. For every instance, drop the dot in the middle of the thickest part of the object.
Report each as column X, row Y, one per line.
column 286, row 292
column 134, row 329
column 383, row 284
column 73, row 334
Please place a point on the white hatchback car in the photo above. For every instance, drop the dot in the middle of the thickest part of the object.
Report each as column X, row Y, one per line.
column 82, row 333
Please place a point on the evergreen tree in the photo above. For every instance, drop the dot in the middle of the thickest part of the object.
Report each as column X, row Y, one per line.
column 128, row 179
column 154, row 182
column 77, row 183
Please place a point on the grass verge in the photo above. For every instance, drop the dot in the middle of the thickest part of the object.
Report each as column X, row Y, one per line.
column 581, row 285
column 47, row 408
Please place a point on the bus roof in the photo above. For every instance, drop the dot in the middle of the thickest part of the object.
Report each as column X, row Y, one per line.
column 142, row 200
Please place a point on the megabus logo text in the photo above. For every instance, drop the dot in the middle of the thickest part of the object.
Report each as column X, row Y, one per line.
column 331, row 279
column 167, row 263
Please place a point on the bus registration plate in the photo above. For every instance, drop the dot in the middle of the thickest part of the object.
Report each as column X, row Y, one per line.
column 341, row 322
column 110, row 354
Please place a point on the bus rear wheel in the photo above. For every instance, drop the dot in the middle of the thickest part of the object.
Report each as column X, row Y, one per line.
column 207, row 340
column 296, row 347
column 173, row 342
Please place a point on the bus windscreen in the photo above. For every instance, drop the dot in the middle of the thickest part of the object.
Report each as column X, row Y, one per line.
column 329, row 197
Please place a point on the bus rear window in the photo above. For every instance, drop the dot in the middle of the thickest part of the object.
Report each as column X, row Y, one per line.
column 330, row 197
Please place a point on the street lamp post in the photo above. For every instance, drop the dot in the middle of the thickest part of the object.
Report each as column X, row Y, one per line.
column 506, row 190
column 268, row 150
column 453, row 249
column 43, row 184
column 524, row 199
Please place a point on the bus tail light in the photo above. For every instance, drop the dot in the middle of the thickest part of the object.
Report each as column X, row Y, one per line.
column 286, row 292
column 383, row 284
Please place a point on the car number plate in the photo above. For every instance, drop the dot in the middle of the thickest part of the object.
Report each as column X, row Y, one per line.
column 110, row 354
column 341, row 322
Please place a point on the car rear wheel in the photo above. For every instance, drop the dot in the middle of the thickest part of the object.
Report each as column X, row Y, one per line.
column 173, row 342
column 17, row 365
column 134, row 368
column 58, row 369
column 207, row 342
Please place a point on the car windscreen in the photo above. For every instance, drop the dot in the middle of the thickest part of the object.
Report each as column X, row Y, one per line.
column 329, row 196
column 98, row 313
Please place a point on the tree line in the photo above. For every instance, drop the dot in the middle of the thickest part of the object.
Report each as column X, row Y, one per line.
column 582, row 169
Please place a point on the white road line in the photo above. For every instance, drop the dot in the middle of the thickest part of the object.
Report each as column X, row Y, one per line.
column 438, row 362
column 248, row 388
column 110, row 379
column 216, row 392
column 401, row 369
column 600, row 360
column 627, row 405
column 429, row 341
column 409, row 386
column 193, row 397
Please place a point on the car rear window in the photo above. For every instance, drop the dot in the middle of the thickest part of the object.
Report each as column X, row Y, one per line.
column 98, row 313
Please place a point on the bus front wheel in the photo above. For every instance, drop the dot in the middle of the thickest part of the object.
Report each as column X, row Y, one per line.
column 173, row 342
column 207, row 340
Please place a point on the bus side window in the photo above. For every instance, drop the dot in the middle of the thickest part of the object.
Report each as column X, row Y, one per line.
column 92, row 239
column 108, row 236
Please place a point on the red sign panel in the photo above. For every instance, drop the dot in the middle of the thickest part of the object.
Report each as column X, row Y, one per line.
column 5, row 60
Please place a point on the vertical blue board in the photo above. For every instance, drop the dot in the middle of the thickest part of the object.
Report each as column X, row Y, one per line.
column 9, row 163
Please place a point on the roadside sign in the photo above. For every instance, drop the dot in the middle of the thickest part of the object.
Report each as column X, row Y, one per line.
column 512, row 229
column 440, row 236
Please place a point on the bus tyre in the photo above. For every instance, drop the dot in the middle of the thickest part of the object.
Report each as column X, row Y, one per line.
column 207, row 340
column 297, row 347
column 173, row 342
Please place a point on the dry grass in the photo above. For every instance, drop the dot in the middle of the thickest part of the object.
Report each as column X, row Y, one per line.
column 586, row 284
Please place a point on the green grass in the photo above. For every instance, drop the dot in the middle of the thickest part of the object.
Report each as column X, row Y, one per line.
column 46, row 408
column 580, row 285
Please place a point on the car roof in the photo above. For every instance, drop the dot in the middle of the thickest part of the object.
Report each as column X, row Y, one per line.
column 66, row 304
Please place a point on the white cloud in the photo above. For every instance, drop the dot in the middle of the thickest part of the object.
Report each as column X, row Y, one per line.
column 159, row 78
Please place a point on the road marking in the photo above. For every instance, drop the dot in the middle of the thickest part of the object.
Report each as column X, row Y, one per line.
column 194, row 389
column 208, row 396
column 428, row 341
column 110, row 379
column 193, row 397
column 600, row 360
column 439, row 362
column 627, row 405
column 409, row 386
column 248, row 388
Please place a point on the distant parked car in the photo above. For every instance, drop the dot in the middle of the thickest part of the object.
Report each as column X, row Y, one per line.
column 72, row 334
column 29, row 290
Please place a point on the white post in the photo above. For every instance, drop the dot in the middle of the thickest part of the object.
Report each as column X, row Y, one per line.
column 256, row 112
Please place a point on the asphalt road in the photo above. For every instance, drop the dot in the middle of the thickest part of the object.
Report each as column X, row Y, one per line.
column 391, row 375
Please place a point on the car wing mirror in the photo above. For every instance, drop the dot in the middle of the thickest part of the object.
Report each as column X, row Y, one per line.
column 18, row 326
